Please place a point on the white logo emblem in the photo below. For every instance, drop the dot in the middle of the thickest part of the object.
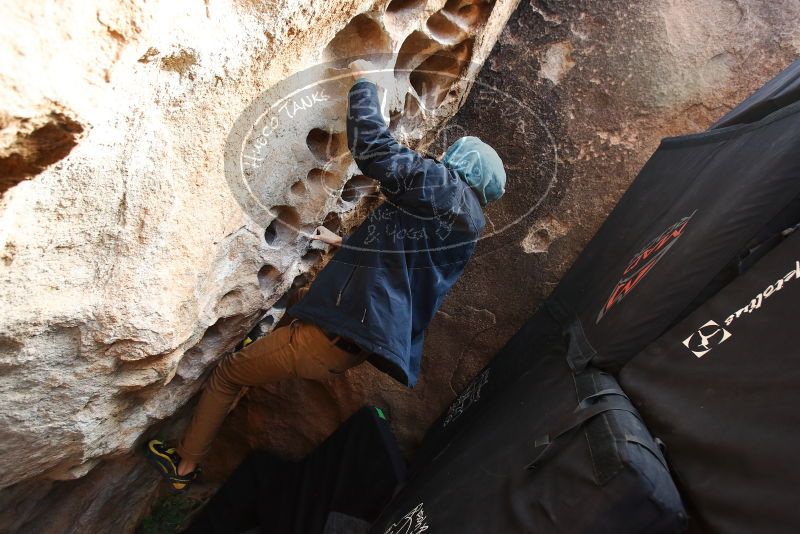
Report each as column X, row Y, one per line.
column 411, row 523
column 470, row 396
column 711, row 333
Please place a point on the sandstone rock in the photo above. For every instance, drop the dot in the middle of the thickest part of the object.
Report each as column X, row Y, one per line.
column 542, row 233
column 130, row 264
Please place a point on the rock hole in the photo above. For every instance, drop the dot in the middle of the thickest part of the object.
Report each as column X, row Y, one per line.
column 358, row 187
column 223, row 328
column 468, row 13
column 326, row 145
column 9, row 345
column 444, row 29
column 363, row 36
column 8, row 348
column 399, row 6
column 229, row 303
column 311, row 258
column 414, row 50
column 284, row 228
column 35, row 144
column 333, row 221
column 299, row 281
column 400, row 13
column 322, row 183
column 433, row 78
column 268, row 277
column 298, row 188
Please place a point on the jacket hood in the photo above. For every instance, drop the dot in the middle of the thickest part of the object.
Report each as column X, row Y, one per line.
column 479, row 165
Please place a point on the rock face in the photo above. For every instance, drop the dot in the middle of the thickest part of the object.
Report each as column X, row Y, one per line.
column 130, row 264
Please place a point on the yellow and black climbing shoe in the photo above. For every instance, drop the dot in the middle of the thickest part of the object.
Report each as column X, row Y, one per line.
column 166, row 459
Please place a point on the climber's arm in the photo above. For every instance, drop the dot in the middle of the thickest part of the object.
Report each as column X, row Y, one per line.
column 405, row 176
column 375, row 150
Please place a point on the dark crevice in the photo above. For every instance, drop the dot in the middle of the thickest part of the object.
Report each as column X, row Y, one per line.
column 333, row 221
column 284, row 228
column 38, row 144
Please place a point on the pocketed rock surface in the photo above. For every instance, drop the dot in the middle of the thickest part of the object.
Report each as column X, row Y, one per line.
column 130, row 262
column 129, row 266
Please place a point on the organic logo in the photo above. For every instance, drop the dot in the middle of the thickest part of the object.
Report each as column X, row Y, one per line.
column 643, row 262
column 467, row 398
column 412, row 523
column 289, row 165
column 700, row 343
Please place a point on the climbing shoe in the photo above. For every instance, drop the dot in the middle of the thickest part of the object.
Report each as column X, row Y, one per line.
column 166, row 459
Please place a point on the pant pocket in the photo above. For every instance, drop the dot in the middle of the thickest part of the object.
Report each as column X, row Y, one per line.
column 316, row 356
column 350, row 361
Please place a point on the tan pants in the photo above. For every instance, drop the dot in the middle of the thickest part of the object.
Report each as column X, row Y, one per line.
column 297, row 350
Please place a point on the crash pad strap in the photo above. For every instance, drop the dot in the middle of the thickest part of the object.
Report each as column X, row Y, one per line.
column 579, row 351
column 611, row 400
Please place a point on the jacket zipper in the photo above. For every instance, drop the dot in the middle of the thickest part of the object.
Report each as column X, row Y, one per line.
column 346, row 283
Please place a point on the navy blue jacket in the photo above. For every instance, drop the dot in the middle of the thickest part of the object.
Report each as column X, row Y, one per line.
column 385, row 283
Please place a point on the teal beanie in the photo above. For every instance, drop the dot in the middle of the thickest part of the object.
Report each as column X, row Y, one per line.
column 479, row 165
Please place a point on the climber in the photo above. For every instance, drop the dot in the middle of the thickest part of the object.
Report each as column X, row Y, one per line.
column 374, row 299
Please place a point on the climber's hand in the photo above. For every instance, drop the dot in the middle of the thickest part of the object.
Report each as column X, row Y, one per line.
column 361, row 68
column 326, row 236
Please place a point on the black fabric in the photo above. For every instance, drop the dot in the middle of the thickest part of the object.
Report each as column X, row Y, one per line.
column 540, row 333
column 696, row 204
column 779, row 92
column 601, row 479
column 354, row 472
column 549, row 443
column 703, row 211
column 339, row 523
column 765, row 240
column 729, row 416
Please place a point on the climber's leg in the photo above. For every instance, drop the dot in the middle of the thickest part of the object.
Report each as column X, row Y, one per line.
column 243, row 368
column 297, row 350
